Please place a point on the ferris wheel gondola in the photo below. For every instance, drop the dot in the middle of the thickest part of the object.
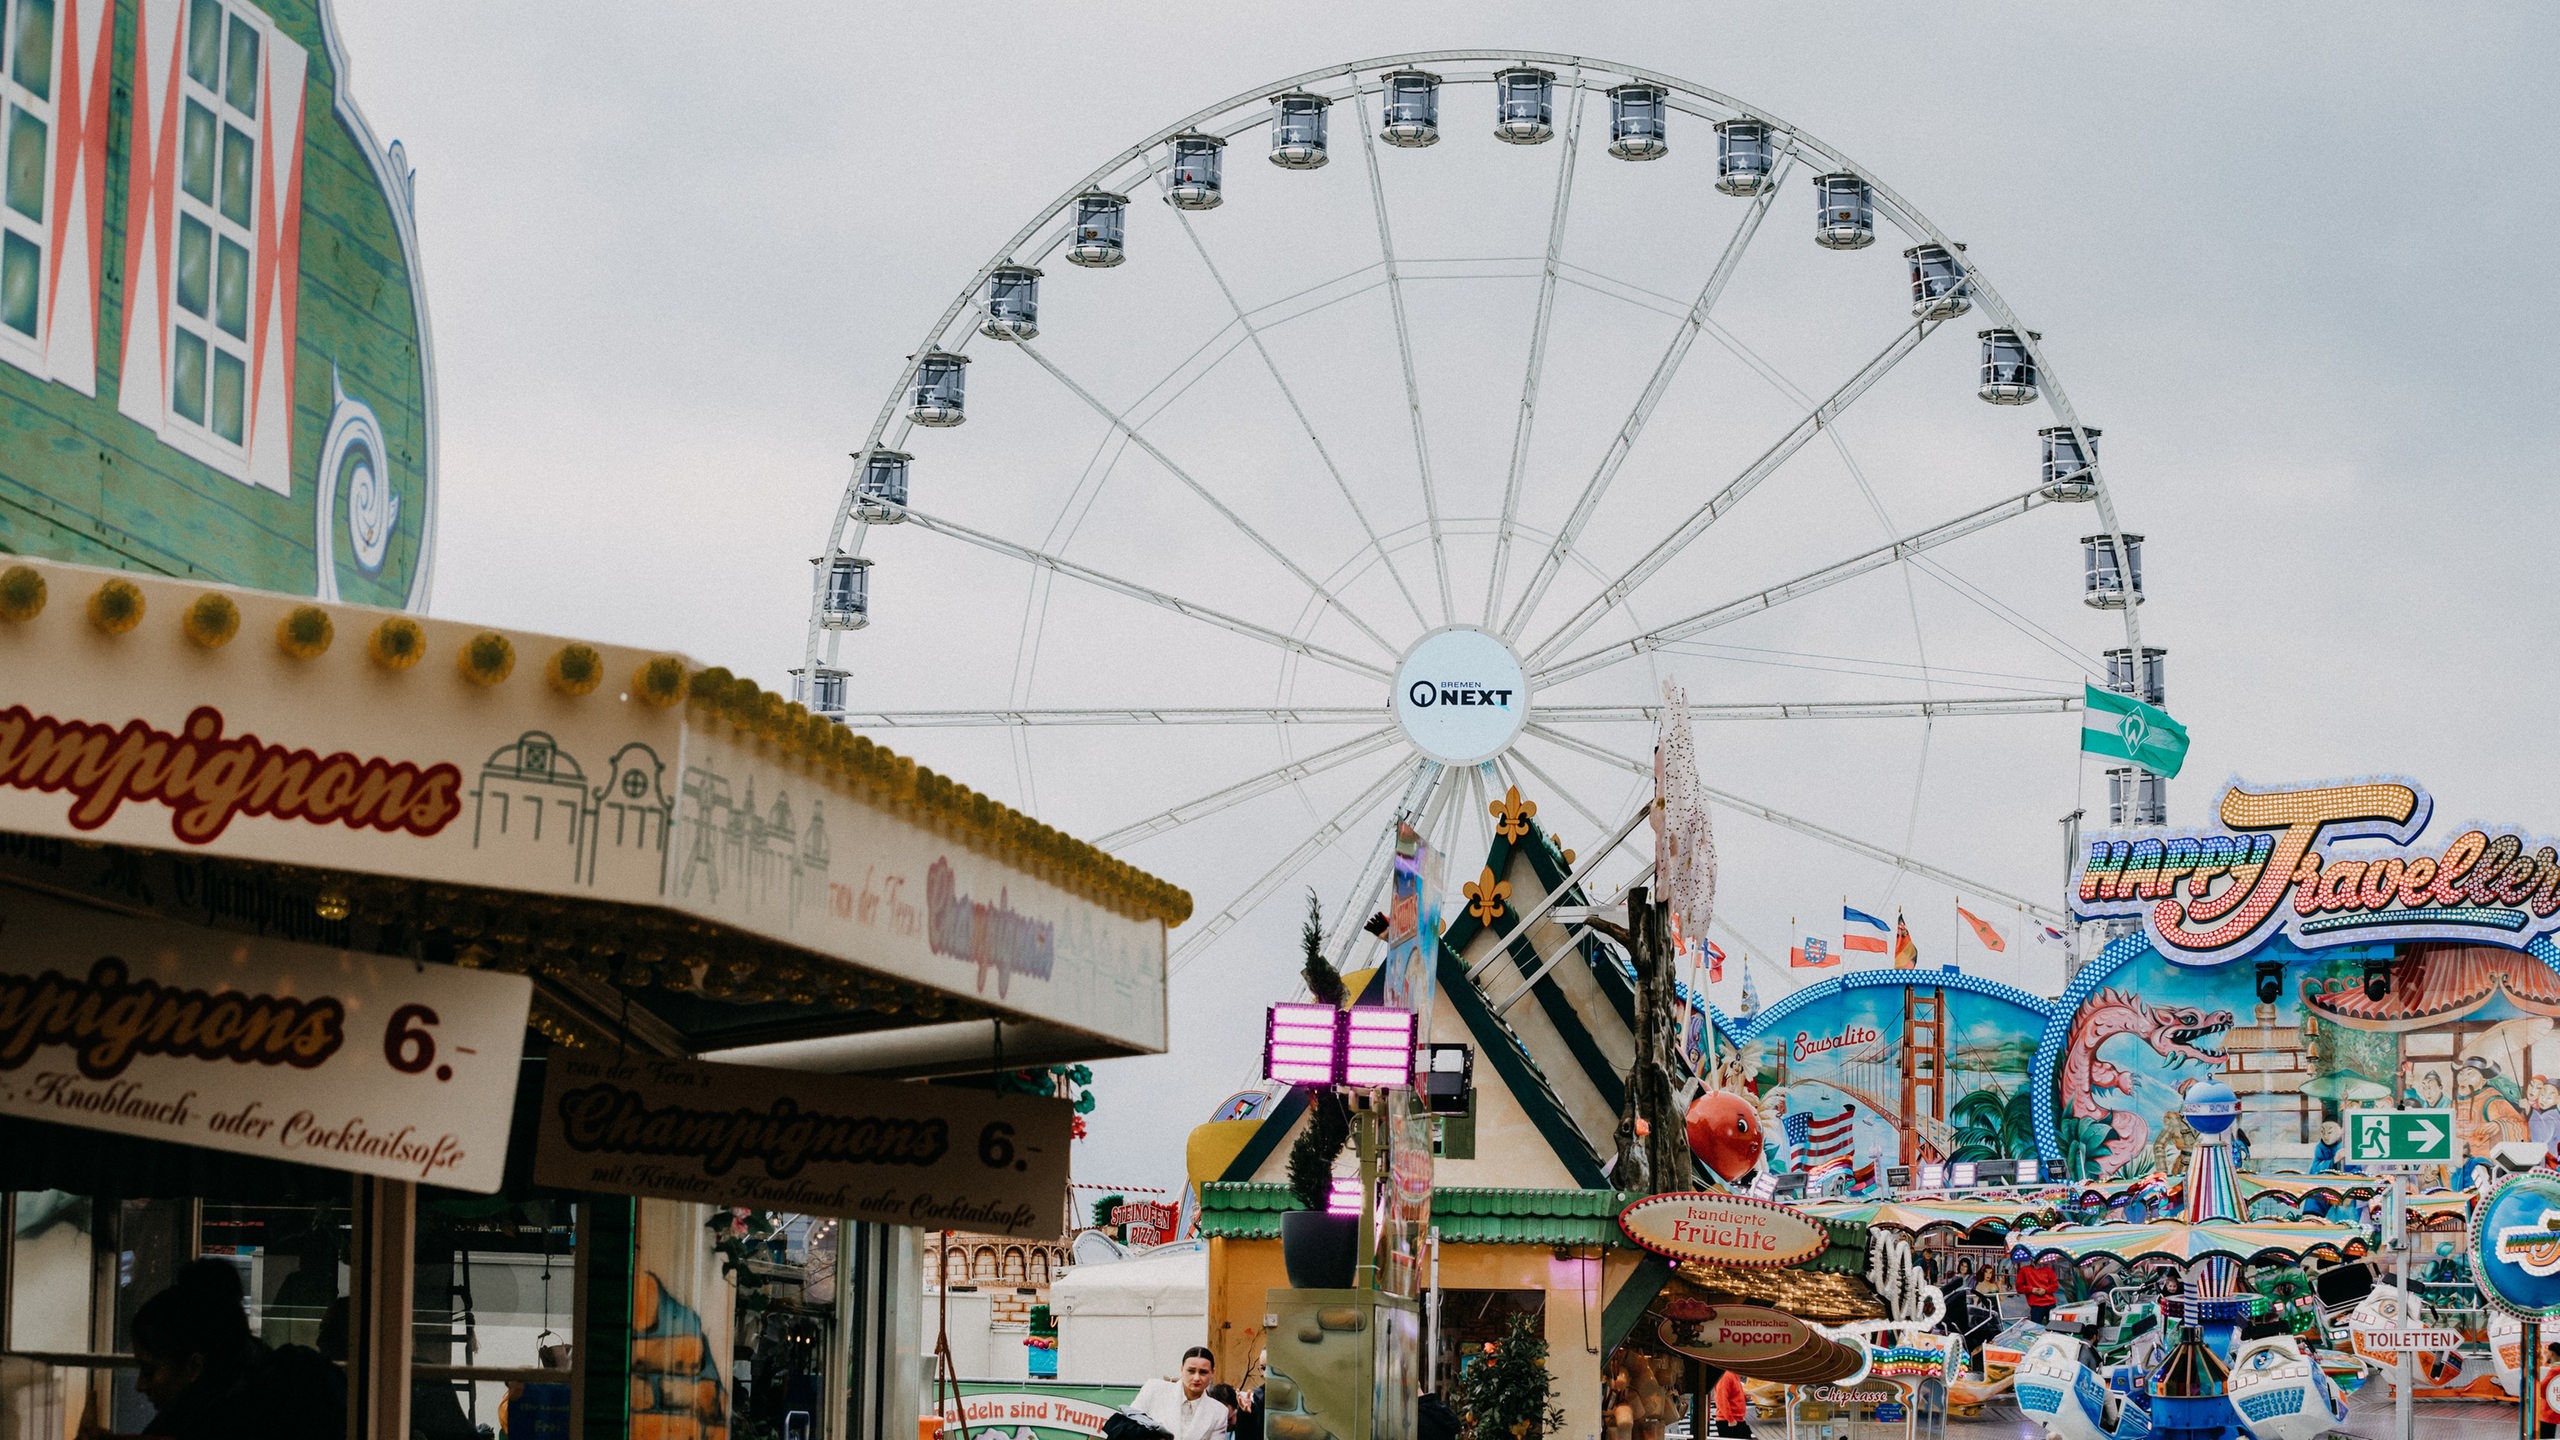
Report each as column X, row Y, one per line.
column 1396, row 585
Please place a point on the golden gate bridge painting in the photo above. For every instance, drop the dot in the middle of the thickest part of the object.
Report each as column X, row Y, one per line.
column 1929, row 1063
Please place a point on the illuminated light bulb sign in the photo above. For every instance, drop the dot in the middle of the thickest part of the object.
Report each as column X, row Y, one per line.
column 1370, row 1046
column 1298, row 1044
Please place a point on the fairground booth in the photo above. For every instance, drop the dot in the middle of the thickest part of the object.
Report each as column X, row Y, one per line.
column 466, row 993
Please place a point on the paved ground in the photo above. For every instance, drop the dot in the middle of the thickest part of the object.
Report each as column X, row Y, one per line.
column 2370, row 1418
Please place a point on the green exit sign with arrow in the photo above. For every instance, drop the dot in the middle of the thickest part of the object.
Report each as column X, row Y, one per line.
column 2402, row 1137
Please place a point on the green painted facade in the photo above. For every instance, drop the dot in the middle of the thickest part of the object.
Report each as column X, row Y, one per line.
column 82, row 480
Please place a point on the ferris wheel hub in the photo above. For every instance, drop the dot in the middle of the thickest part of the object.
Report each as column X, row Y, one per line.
column 1461, row 695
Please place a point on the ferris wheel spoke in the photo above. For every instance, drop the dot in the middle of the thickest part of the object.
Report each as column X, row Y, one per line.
column 1924, row 709
column 1519, row 757
column 1253, row 333
column 1723, row 501
column 1242, row 526
column 1231, row 796
column 1809, row 829
column 1135, row 591
column 1552, row 563
column 1404, row 353
column 1917, row 543
column 1047, row 717
column 1280, row 874
column 1527, row 421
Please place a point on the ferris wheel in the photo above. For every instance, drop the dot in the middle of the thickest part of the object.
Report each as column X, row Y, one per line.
column 1401, row 475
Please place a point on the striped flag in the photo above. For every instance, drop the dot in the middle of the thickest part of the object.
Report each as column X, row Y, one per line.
column 2123, row 728
column 1864, row 931
column 1822, row 1146
column 1906, row 955
column 1715, row 963
column 1813, row 954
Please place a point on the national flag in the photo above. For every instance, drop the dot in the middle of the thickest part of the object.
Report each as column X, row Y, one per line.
column 1858, row 922
column 2049, row 935
column 1983, row 930
column 1715, row 963
column 1814, row 954
column 1906, row 955
column 2123, row 728
column 1818, row 1144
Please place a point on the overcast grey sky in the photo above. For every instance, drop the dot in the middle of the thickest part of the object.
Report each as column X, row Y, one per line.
column 2292, row 259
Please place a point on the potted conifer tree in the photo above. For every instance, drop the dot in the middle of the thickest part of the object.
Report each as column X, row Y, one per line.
column 1320, row 1250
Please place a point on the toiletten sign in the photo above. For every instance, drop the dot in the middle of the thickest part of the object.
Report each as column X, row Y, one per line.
column 932, row 1156
column 262, row 1047
column 1722, row 1229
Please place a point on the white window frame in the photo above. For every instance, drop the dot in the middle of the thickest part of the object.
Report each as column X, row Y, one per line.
column 192, row 437
column 25, row 351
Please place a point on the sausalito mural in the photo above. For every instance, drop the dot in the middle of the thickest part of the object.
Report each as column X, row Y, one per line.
column 214, row 348
column 2323, row 948
column 1885, row 1067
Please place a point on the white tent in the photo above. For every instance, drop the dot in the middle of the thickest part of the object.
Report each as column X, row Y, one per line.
column 1129, row 1321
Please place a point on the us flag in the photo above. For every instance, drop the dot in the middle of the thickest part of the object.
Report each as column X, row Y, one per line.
column 1822, row 1145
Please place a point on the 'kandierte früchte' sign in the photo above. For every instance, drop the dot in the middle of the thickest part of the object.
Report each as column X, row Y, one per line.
column 903, row 1154
column 265, row 1047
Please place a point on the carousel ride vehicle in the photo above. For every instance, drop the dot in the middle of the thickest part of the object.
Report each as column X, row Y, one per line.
column 2207, row 1382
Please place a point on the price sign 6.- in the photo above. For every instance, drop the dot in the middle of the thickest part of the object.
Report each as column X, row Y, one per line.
column 327, row 1053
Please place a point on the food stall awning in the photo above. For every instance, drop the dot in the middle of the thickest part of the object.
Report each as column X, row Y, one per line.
column 679, row 859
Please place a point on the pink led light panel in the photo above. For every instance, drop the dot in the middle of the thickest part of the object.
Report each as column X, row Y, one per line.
column 1298, row 1044
column 1379, row 1049
column 1344, row 1197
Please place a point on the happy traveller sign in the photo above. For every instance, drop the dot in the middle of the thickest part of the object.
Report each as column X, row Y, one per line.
column 2326, row 864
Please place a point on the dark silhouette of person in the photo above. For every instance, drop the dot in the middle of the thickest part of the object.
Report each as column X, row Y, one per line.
column 207, row 1378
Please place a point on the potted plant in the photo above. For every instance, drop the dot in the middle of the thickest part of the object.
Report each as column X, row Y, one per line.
column 1320, row 1250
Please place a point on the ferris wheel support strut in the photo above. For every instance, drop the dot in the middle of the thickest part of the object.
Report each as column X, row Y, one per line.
column 1135, row 591
column 1827, row 835
column 1230, row 796
column 1759, row 602
column 1717, row 505
column 1278, row 875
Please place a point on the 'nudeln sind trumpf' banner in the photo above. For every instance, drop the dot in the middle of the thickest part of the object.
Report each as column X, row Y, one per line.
column 933, row 1156
column 266, row 1047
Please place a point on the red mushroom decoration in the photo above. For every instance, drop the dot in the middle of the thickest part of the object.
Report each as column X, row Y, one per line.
column 1724, row 1133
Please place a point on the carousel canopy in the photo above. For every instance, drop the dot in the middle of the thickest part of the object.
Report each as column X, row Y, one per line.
column 1919, row 1216
column 2183, row 1243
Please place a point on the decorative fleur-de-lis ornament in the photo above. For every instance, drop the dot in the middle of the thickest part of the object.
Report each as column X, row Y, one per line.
column 1486, row 894
column 1514, row 813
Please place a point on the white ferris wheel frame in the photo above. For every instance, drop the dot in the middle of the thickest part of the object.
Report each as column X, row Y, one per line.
column 1419, row 786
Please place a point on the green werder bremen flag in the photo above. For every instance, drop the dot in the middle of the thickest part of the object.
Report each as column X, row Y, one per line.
column 2123, row 728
